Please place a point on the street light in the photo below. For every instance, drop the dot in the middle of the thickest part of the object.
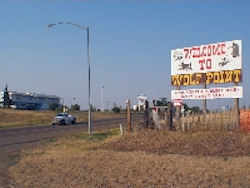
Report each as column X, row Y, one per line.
column 88, row 55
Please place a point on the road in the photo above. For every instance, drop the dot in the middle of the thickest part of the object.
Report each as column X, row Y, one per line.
column 13, row 140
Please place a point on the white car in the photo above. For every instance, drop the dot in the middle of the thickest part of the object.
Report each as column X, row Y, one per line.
column 64, row 119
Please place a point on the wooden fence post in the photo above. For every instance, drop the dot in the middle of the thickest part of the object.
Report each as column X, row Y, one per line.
column 121, row 129
column 170, row 116
column 237, row 113
column 146, row 114
column 129, row 116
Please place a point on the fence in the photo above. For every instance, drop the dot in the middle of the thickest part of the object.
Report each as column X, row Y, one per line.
column 160, row 118
column 209, row 121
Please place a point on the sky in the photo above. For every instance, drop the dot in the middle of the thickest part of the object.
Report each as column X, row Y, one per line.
column 130, row 44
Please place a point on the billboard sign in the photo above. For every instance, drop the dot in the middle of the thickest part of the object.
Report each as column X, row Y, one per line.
column 207, row 58
column 211, row 93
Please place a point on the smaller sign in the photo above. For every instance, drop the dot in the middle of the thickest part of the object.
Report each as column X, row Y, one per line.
column 178, row 102
column 211, row 93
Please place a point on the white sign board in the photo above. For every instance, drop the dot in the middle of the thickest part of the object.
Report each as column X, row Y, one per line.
column 211, row 93
column 207, row 58
column 177, row 102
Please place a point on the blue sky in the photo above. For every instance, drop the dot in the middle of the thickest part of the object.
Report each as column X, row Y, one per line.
column 130, row 45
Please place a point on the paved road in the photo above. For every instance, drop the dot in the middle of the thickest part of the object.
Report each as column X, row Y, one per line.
column 13, row 140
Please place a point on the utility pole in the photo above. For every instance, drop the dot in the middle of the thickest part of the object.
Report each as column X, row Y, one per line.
column 85, row 28
column 102, row 104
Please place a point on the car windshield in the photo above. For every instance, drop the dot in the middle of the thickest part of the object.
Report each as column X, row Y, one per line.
column 61, row 114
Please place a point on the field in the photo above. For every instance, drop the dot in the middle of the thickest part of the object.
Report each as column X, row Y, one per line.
column 142, row 159
column 20, row 118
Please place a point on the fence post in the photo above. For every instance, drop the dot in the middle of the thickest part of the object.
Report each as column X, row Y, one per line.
column 121, row 129
column 237, row 113
column 146, row 114
column 170, row 116
column 129, row 116
column 178, row 112
column 182, row 126
column 207, row 120
column 222, row 120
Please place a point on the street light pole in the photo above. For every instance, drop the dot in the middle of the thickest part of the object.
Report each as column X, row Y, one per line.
column 89, row 71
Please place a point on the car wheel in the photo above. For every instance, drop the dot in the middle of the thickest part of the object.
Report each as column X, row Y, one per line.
column 63, row 122
column 73, row 122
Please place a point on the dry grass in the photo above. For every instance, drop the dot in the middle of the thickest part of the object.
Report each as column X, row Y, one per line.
column 200, row 143
column 83, row 116
column 108, row 160
column 17, row 118
column 20, row 118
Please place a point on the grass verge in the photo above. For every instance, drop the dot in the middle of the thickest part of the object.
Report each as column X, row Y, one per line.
column 10, row 118
column 104, row 160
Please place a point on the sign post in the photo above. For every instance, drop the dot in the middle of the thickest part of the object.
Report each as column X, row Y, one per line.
column 205, row 101
column 237, row 112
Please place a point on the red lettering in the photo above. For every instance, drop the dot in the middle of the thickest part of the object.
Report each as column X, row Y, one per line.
column 196, row 52
column 186, row 51
column 223, row 46
column 209, row 63
column 202, row 62
column 218, row 49
column 190, row 53
column 214, row 50
column 203, row 53
column 193, row 50
column 209, row 50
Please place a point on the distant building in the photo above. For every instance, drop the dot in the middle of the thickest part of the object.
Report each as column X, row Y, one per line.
column 140, row 106
column 30, row 101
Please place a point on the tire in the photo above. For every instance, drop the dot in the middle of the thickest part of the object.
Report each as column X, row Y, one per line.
column 73, row 122
column 63, row 122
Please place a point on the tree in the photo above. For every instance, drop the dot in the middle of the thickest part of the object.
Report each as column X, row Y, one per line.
column 116, row 109
column 6, row 98
column 162, row 102
column 194, row 109
column 75, row 107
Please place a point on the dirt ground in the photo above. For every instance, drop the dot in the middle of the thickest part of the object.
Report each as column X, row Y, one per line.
column 150, row 159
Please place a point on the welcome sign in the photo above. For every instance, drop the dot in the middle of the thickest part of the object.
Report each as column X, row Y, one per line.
column 207, row 58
